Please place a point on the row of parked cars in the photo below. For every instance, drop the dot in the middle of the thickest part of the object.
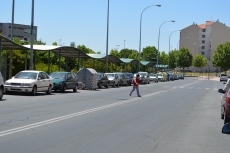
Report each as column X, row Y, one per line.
column 31, row 81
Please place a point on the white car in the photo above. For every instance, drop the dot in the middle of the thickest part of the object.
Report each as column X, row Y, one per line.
column 160, row 77
column 30, row 81
column 153, row 77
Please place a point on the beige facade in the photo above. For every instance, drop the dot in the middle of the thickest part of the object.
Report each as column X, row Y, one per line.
column 204, row 39
column 20, row 31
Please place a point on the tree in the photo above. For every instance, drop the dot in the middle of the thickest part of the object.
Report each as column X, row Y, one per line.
column 185, row 58
column 221, row 56
column 164, row 58
column 173, row 55
column 149, row 53
column 199, row 61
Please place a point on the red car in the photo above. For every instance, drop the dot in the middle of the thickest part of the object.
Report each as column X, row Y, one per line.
column 225, row 104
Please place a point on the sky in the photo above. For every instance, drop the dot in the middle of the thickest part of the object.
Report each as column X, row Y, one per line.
column 85, row 21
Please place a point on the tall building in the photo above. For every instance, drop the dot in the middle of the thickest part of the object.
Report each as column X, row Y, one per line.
column 21, row 31
column 204, row 39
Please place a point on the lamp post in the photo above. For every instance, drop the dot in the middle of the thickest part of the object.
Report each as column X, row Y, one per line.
column 159, row 41
column 169, row 45
column 124, row 44
column 107, row 38
column 31, row 37
column 12, row 37
column 140, row 35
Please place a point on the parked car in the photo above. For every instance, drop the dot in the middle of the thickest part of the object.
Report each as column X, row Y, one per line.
column 113, row 79
column 153, row 77
column 102, row 80
column 145, row 77
column 129, row 77
column 1, row 86
column 64, row 80
column 223, row 77
column 160, row 77
column 30, row 81
column 123, row 80
column 225, row 104
column 181, row 76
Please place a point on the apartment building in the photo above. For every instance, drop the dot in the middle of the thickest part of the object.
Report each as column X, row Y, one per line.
column 204, row 39
column 21, row 31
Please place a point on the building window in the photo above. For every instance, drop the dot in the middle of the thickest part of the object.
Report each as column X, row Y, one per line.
column 203, row 41
column 203, row 47
column 203, row 36
column 202, row 53
column 203, row 30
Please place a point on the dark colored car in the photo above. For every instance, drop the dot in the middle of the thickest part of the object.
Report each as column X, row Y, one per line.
column 225, row 104
column 102, row 80
column 64, row 80
column 123, row 81
column 129, row 77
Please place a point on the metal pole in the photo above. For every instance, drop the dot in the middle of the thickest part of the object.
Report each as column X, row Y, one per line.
column 107, row 38
column 158, row 48
column 139, row 56
column 59, row 60
column 31, row 37
column 169, row 46
column 49, row 63
column 11, row 51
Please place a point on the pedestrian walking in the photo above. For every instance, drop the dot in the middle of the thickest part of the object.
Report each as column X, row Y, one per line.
column 136, row 85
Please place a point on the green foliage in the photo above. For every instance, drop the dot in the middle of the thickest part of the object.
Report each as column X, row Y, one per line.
column 199, row 61
column 185, row 58
column 149, row 53
column 221, row 56
column 164, row 58
column 173, row 55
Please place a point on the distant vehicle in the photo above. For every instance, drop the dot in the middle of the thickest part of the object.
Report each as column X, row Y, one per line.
column 64, row 80
column 123, row 81
column 1, row 86
column 225, row 104
column 30, row 81
column 102, row 80
column 113, row 79
column 223, row 77
column 160, row 77
column 129, row 77
column 153, row 77
column 145, row 77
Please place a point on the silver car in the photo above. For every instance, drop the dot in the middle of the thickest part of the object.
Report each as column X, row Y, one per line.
column 113, row 79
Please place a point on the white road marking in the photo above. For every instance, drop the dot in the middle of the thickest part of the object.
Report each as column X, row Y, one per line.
column 38, row 124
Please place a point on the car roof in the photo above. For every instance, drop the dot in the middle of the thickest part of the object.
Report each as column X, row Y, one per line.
column 31, row 71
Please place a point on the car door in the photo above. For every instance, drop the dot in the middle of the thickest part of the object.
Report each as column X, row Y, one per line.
column 46, row 80
column 40, row 82
column 70, row 81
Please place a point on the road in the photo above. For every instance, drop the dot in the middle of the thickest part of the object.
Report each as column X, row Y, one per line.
column 171, row 117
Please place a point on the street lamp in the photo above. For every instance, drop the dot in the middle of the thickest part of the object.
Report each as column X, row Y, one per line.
column 107, row 38
column 159, row 41
column 12, row 33
column 169, row 45
column 31, row 37
column 124, row 44
column 140, row 35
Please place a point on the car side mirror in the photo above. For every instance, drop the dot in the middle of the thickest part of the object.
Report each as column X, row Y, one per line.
column 221, row 91
column 12, row 77
column 226, row 128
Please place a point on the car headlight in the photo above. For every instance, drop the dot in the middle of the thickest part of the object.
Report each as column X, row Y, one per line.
column 7, row 83
column 25, row 84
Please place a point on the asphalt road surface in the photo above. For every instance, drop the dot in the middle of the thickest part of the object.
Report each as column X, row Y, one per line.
column 171, row 117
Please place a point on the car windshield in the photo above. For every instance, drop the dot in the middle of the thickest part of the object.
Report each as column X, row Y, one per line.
column 159, row 74
column 151, row 74
column 129, row 75
column 58, row 75
column 99, row 76
column 110, row 75
column 26, row 75
column 142, row 74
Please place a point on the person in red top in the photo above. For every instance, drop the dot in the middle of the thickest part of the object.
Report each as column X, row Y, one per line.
column 136, row 85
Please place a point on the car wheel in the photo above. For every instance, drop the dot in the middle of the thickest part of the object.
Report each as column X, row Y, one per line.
column 34, row 91
column 75, row 88
column 48, row 92
column 100, row 85
column 64, row 88
column 113, row 84
column 107, row 85
column 1, row 93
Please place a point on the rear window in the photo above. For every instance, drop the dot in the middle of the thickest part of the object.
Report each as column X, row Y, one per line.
column 223, row 75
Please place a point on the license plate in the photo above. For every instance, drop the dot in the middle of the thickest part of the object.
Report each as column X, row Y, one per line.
column 14, row 88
